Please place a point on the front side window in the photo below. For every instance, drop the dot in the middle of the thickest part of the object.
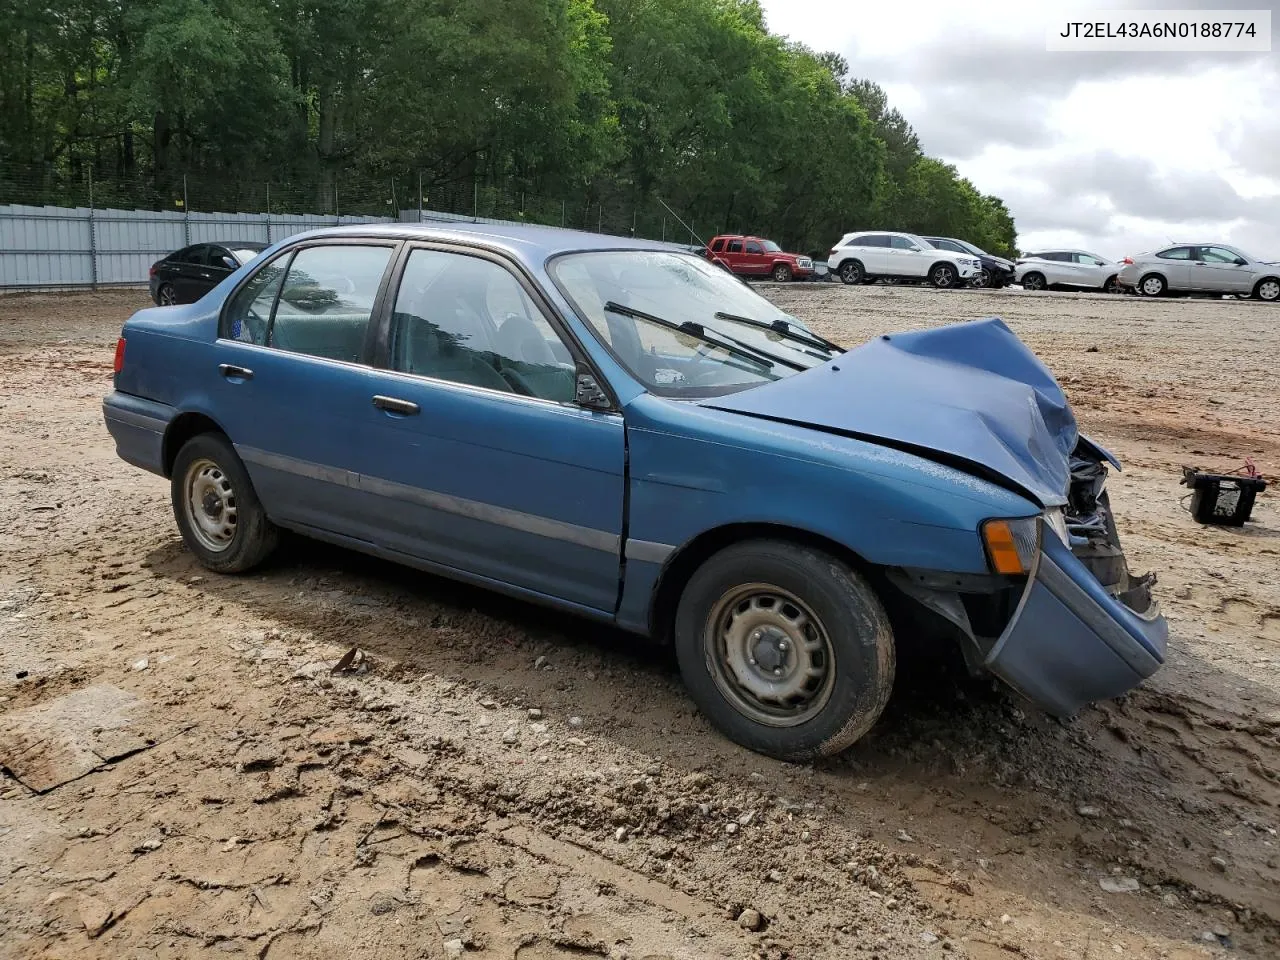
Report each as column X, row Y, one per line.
column 753, row 247
column 718, row 244
column 1175, row 253
column 468, row 320
column 1218, row 255
column 1088, row 260
column 900, row 243
column 681, row 326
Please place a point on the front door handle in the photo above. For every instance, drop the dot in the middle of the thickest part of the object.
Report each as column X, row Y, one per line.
column 395, row 405
column 232, row 372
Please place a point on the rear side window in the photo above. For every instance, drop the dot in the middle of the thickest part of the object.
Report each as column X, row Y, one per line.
column 248, row 314
column 326, row 301
column 1175, row 253
column 735, row 246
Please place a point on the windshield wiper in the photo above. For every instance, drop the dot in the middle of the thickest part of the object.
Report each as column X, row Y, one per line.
column 731, row 345
column 783, row 328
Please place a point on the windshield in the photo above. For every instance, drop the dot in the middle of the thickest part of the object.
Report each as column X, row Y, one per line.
column 771, row 247
column 972, row 249
column 633, row 298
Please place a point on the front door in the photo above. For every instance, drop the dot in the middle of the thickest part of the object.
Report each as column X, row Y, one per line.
column 472, row 438
column 1216, row 269
column 754, row 260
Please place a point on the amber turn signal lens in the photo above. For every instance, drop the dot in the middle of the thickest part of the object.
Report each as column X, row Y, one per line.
column 1001, row 547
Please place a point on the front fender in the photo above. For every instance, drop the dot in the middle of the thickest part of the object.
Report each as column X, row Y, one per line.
column 695, row 469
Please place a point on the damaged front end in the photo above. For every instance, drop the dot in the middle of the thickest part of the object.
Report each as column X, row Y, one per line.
column 1076, row 626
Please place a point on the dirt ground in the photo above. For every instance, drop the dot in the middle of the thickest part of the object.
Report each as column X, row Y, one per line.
column 499, row 781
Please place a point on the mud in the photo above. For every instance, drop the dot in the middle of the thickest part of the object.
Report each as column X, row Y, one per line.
column 495, row 780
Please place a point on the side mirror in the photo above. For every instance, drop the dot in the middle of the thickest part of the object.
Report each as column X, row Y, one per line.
column 913, row 248
column 1241, row 262
column 231, row 263
column 589, row 394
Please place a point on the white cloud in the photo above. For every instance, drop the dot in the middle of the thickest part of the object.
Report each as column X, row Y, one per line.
column 1114, row 152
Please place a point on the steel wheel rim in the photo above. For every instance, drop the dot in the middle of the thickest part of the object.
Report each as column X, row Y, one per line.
column 210, row 504
column 769, row 655
column 1269, row 290
column 1151, row 286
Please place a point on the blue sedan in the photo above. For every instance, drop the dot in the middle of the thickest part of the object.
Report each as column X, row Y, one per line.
column 621, row 429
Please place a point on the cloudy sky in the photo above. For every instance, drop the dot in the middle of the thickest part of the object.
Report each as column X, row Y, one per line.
column 1113, row 152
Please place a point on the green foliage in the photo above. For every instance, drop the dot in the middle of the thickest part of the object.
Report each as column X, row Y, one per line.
column 581, row 109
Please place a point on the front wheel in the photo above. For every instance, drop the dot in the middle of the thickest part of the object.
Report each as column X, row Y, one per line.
column 781, row 273
column 1267, row 289
column 1112, row 285
column 983, row 279
column 942, row 276
column 216, row 508
column 785, row 649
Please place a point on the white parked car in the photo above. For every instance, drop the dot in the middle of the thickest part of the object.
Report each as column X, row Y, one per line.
column 1212, row 268
column 869, row 256
column 1078, row 269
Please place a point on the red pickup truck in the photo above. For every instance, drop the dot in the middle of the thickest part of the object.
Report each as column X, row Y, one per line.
column 757, row 257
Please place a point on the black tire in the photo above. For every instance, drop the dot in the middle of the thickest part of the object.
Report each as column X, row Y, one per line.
column 1267, row 289
column 1033, row 281
column 781, row 273
column 165, row 295
column 1112, row 285
column 245, row 537
column 849, row 627
column 851, row 272
column 944, row 276
column 1153, row 285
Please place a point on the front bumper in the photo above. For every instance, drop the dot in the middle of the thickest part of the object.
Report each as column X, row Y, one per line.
column 1070, row 642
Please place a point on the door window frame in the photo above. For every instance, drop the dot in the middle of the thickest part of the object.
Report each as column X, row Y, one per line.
column 369, row 349
column 382, row 322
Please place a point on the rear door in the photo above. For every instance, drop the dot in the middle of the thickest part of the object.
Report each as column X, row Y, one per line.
column 471, row 435
column 733, row 254
column 188, row 265
column 873, row 251
column 292, row 384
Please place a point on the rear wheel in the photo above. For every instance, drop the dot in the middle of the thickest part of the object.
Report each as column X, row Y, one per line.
column 851, row 272
column 165, row 296
column 1153, row 285
column 785, row 648
column 1268, row 289
column 781, row 273
column 943, row 275
column 1034, row 281
column 216, row 508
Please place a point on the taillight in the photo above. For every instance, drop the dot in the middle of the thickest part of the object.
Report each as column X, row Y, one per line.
column 1127, row 261
column 118, row 363
column 154, row 267
column 831, row 255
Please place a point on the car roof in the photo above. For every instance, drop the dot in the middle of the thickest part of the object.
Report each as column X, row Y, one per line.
column 529, row 243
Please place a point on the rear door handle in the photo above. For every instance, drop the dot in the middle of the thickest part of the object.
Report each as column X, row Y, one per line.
column 232, row 372
column 396, row 405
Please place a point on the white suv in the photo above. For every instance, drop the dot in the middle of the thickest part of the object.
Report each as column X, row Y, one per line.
column 867, row 257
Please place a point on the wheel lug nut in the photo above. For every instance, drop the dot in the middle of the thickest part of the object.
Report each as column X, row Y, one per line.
column 752, row 661
column 777, row 671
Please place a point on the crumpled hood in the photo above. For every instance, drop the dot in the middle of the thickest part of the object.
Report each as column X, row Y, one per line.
column 972, row 394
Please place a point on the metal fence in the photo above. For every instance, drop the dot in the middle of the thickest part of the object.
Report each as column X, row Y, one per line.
column 43, row 247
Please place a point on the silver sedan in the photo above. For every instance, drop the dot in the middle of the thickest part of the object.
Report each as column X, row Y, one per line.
column 1212, row 268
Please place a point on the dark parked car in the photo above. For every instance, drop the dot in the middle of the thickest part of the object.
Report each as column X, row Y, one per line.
column 188, row 274
column 624, row 430
column 997, row 272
